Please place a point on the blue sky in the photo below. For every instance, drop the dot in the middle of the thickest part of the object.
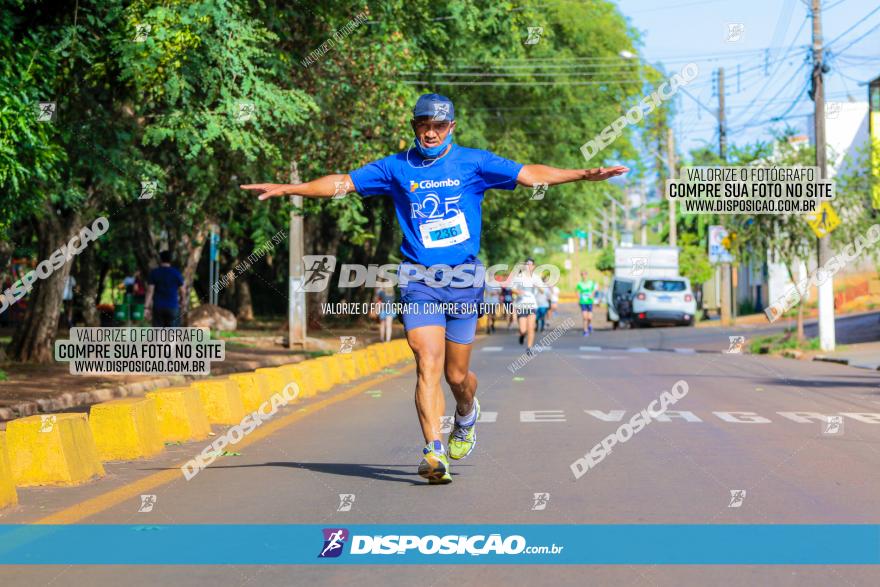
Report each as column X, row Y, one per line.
column 776, row 33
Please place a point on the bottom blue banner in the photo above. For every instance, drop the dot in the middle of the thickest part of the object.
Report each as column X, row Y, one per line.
column 660, row 544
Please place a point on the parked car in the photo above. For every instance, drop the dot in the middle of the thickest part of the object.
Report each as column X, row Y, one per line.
column 663, row 300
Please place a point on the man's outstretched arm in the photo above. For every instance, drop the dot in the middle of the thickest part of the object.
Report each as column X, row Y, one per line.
column 530, row 175
column 328, row 186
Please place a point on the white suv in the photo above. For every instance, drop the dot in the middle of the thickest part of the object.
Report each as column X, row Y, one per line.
column 667, row 300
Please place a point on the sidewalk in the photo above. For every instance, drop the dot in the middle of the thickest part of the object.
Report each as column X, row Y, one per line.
column 864, row 355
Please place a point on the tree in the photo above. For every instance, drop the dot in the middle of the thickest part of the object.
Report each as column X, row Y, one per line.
column 605, row 263
column 693, row 260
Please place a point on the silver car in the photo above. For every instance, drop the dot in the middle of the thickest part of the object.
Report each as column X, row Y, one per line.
column 663, row 300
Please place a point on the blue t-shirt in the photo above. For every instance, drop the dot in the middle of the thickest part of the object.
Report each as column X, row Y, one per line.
column 166, row 280
column 438, row 205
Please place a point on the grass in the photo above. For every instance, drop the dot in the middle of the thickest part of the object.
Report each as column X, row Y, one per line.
column 223, row 334
column 3, row 375
column 776, row 343
column 239, row 345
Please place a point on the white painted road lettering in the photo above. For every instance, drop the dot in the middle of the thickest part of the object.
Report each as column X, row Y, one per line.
column 542, row 416
column 742, row 417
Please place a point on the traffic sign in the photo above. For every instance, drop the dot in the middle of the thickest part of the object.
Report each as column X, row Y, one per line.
column 824, row 221
column 718, row 253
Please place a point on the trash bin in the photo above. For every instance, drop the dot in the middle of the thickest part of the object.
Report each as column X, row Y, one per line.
column 137, row 312
column 121, row 312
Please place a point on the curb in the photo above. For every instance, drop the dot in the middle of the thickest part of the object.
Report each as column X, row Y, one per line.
column 848, row 362
column 70, row 448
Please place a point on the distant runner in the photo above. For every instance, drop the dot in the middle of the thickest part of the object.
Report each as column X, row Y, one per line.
column 526, row 286
column 437, row 189
column 586, row 290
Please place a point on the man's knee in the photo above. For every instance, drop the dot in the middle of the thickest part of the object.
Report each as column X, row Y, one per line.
column 455, row 376
column 429, row 364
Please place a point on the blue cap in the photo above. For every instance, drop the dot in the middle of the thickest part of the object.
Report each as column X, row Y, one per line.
column 436, row 106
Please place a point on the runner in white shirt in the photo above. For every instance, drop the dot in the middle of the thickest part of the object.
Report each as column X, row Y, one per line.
column 525, row 286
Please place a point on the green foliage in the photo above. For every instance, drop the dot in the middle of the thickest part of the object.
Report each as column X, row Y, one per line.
column 605, row 263
column 776, row 343
column 693, row 260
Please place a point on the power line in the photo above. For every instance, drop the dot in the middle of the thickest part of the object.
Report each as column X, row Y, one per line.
column 857, row 23
column 778, row 67
column 860, row 38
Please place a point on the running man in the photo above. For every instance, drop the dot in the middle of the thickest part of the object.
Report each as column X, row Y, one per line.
column 437, row 188
column 586, row 290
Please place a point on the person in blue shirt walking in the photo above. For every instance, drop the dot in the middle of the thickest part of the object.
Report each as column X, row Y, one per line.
column 165, row 293
column 437, row 188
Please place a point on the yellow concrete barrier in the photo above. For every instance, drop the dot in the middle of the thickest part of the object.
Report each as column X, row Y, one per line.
column 331, row 369
column 321, row 374
column 55, row 449
column 251, row 387
column 396, row 350
column 263, row 383
column 8, row 495
column 221, row 400
column 182, row 416
column 276, row 377
column 382, row 353
column 365, row 366
column 295, row 372
column 338, row 366
column 313, row 375
column 349, row 366
column 387, row 353
column 126, row 429
column 403, row 349
column 374, row 358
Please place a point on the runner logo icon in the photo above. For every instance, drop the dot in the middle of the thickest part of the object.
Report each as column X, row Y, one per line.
column 334, row 540
column 318, row 269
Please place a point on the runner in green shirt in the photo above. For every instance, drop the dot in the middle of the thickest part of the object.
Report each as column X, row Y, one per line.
column 586, row 290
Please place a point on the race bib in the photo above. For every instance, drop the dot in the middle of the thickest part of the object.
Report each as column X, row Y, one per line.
column 445, row 233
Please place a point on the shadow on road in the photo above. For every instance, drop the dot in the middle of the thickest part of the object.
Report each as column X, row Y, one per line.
column 378, row 472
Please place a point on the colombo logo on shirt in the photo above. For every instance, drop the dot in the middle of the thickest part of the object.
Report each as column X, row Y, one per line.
column 427, row 184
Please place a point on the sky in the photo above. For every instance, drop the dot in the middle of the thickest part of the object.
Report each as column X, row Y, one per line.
column 769, row 54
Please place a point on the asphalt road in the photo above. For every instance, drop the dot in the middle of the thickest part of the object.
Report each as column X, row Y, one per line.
column 536, row 422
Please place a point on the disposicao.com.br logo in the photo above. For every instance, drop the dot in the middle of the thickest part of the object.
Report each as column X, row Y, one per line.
column 451, row 544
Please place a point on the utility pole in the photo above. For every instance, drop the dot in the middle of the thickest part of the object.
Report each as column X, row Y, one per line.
column 722, row 129
column 296, row 311
column 670, row 162
column 826, row 289
column 604, row 231
column 728, row 290
column 613, row 226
